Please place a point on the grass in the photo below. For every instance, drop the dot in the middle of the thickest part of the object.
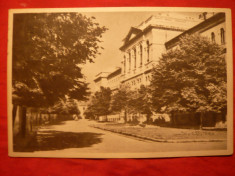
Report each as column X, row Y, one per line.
column 163, row 133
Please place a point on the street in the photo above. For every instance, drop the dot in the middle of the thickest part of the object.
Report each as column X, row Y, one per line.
column 78, row 137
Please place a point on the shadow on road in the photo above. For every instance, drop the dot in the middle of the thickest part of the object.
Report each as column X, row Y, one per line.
column 57, row 140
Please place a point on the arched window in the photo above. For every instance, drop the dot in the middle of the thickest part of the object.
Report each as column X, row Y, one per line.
column 213, row 37
column 141, row 55
column 134, row 58
column 129, row 61
column 147, row 50
column 222, row 35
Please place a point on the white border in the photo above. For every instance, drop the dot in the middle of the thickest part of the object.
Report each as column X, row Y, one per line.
column 229, row 56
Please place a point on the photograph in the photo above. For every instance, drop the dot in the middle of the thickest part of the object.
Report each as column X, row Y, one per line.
column 120, row 82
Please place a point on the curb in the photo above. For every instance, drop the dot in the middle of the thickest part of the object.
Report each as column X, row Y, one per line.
column 161, row 140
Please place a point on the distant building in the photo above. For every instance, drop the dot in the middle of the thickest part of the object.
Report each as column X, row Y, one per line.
column 114, row 79
column 101, row 80
column 109, row 79
column 82, row 107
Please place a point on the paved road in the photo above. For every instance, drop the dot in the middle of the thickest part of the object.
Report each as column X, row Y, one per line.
column 74, row 137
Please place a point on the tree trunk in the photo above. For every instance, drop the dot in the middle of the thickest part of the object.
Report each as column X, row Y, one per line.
column 14, row 110
column 125, row 116
column 31, row 121
column 40, row 116
column 148, row 118
column 173, row 119
column 23, row 121
column 37, row 118
column 49, row 117
column 200, row 121
column 224, row 113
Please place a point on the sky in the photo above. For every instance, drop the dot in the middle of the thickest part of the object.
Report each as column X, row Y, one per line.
column 118, row 24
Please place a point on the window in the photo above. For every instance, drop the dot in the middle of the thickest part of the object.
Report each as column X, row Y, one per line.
column 213, row 37
column 129, row 61
column 141, row 54
column 222, row 36
column 147, row 50
column 134, row 58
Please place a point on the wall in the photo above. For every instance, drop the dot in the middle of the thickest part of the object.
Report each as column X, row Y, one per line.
column 216, row 30
column 114, row 82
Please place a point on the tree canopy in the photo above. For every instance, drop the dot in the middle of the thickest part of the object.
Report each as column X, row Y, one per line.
column 122, row 100
column 190, row 77
column 48, row 49
column 100, row 103
column 66, row 106
column 141, row 101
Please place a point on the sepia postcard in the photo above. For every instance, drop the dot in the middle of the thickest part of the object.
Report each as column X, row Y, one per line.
column 120, row 82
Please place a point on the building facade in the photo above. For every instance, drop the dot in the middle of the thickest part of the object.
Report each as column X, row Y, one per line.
column 82, row 108
column 114, row 79
column 101, row 80
column 143, row 46
column 109, row 79
column 212, row 27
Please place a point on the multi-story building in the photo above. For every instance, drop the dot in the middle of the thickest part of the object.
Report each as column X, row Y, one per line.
column 114, row 79
column 143, row 45
column 212, row 27
column 101, row 80
column 108, row 79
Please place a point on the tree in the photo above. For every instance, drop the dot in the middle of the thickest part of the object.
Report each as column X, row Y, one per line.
column 48, row 49
column 66, row 106
column 190, row 78
column 100, row 103
column 141, row 101
column 90, row 112
column 122, row 101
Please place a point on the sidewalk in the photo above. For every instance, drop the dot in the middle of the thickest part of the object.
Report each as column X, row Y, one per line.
column 163, row 134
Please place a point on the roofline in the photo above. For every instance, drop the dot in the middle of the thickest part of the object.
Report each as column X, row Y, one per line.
column 100, row 77
column 128, row 35
column 197, row 27
column 109, row 75
column 146, row 30
column 101, row 72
